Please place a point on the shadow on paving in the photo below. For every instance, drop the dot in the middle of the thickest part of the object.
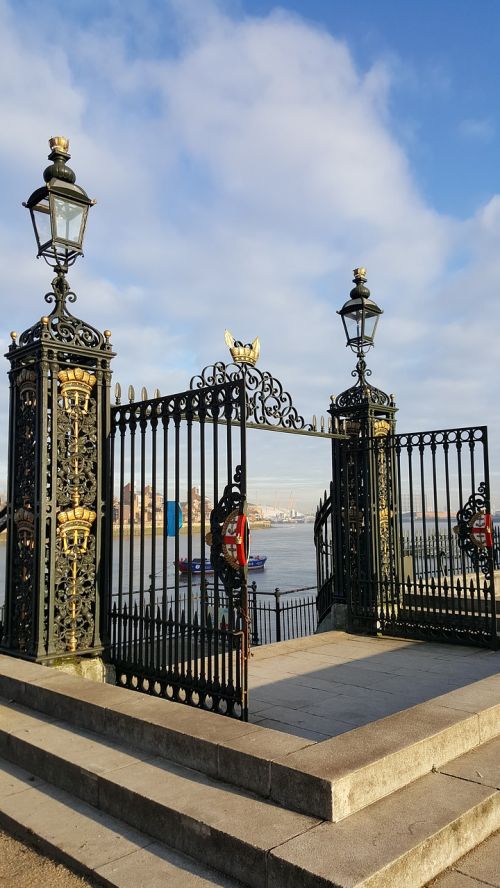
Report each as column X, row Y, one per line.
column 328, row 684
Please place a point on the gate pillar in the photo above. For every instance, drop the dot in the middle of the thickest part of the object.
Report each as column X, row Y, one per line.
column 364, row 484
column 57, row 475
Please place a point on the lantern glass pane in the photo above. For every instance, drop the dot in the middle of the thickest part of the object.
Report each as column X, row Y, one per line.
column 41, row 221
column 69, row 219
column 353, row 323
column 371, row 319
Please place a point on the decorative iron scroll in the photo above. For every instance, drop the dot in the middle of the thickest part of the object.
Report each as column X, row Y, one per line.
column 60, row 325
column 24, row 520
column 476, row 507
column 362, row 392
column 267, row 403
column 232, row 500
column 24, row 562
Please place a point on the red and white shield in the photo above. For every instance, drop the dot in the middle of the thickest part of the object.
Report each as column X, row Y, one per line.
column 236, row 539
column 480, row 529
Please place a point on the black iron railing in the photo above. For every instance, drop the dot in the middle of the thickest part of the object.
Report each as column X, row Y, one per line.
column 140, row 632
column 441, row 554
column 281, row 616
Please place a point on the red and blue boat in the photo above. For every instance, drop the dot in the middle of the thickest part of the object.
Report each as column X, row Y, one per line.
column 255, row 562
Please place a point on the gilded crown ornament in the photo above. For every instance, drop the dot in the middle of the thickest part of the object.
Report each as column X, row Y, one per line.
column 59, row 144
column 76, row 386
column 24, row 520
column 240, row 353
column 74, row 528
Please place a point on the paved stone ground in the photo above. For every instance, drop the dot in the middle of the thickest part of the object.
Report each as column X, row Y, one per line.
column 324, row 685
column 23, row 867
column 479, row 868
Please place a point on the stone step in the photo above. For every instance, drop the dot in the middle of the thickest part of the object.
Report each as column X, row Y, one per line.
column 404, row 839
column 92, row 843
column 222, row 827
column 329, row 780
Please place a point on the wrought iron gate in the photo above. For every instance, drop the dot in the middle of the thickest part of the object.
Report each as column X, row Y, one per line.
column 417, row 556
column 174, row 635
column 187, row 639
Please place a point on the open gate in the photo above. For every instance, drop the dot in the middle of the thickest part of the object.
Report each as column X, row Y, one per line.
column 416, row 545
column 178, row 471
column 178, row 536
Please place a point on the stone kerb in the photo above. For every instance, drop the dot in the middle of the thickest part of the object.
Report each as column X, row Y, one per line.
column 331, row 779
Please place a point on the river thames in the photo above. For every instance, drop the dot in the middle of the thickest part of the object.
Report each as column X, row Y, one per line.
column 289, row 550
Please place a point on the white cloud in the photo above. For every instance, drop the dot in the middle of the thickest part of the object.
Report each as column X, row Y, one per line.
column 240, row 174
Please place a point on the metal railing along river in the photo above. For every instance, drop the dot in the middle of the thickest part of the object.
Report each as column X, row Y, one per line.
column 273, row 616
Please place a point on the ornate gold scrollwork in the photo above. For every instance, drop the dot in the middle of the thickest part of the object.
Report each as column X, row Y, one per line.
column 381, row 428
column 75, row 523
column 76, row 386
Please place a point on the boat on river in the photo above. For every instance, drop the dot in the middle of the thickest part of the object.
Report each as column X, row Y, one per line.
column 255, row 562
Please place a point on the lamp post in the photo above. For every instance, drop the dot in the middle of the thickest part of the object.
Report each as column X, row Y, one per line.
column 58, row 429
column 360, row 316
column 363, row 470
column 59, row 209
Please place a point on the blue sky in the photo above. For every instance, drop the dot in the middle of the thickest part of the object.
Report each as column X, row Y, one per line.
column 245, row 157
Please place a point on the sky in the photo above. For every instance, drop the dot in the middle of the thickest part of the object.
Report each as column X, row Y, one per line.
column 245, row 157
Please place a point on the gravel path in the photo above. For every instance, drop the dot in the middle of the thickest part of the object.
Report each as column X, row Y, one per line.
column 23, row 867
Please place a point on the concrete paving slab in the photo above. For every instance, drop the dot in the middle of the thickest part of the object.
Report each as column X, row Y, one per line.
column 399, row 673
column 329, row 726
column 405, row 839
column 294, row 731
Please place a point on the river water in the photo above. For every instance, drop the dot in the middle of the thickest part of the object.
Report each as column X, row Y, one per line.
column 289, row 549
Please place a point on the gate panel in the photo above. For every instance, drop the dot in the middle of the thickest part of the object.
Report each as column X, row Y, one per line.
column 178, row 635
column 421, row 516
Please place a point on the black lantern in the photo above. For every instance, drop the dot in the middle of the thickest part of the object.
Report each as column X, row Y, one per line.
column 360, row 314
column 59, row 209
